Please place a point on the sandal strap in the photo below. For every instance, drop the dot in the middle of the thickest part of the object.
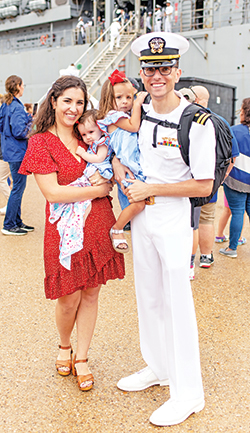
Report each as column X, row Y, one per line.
column 80, row 360
column 64, row 347
column 85, row 378
column 116, row 232
column 67, row 363
column 118, row 242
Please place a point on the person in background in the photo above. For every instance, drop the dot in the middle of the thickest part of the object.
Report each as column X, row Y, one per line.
column 4, row 174
column 158, row 18
column 149, row 22
column 115, row 34
column 15, row 124
column 80, row 27
column 100, row 26
column 168, row 16
column 29, row 108
column 70, row 70
column 207, row 213
column 226, row 214
column 237, row 184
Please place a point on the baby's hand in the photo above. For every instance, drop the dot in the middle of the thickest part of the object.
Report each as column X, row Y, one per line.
column 80, row 151
column 140, row 96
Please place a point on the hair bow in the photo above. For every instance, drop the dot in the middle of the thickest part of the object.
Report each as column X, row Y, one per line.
column 117, row 77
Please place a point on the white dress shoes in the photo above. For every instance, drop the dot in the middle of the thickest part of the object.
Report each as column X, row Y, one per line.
column 143, row 379
column 174, row 412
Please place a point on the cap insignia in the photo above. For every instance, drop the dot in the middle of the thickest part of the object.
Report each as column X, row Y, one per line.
column 156, row 45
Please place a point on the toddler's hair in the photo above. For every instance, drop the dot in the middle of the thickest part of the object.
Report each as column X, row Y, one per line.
column 107, row 100
column 88, row 115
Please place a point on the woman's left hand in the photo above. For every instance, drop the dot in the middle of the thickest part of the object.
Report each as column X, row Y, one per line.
column 97, row 179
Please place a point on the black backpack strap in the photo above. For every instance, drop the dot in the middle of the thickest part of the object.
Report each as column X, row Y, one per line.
column 193, row 112
column 164, row 123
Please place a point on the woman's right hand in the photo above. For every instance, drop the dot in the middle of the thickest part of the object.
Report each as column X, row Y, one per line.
column 104, row 189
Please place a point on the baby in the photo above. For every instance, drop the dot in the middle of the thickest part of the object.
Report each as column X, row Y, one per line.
column 98, row 153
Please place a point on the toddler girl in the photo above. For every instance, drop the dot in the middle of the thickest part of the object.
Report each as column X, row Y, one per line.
column 117, row 100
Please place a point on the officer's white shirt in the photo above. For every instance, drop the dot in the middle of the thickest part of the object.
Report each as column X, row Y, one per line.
column 164, row 164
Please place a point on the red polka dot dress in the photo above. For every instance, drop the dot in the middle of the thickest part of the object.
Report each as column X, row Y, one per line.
column 97, row 262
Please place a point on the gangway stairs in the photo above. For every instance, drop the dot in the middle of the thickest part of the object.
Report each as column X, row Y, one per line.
column 103, row 65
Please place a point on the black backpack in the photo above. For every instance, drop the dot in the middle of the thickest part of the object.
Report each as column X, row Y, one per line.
column 199, row 114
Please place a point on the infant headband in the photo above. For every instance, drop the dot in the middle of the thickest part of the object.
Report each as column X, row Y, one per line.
column 117, row 77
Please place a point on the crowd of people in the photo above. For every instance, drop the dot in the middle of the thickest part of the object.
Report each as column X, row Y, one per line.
column 76, row 154
column 159, row 20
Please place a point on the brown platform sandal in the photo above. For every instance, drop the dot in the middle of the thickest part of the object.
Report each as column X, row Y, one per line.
column 64, row 364
column 82, row 378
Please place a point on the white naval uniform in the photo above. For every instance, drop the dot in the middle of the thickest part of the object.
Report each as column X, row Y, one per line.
column 168, row 18
column 158, row 18
column 115, row 35
column 162, row 244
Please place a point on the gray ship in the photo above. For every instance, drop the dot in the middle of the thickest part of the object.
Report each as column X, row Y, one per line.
column 38, row 38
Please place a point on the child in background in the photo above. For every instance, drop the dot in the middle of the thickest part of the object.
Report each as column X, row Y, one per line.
column 116, row 103
column 29, row 108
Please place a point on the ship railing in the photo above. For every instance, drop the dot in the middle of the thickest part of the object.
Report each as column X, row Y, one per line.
column 128, row 27
column 53, row 38
column 188, row 18
column 42, row 40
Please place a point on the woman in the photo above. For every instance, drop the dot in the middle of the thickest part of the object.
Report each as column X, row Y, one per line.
column 237, row 184
column 14, row 126
column 51, row 156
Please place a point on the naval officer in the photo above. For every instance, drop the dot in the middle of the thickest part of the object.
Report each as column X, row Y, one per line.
column 162, row 234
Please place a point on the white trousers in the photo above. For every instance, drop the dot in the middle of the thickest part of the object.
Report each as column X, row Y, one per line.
column 162, row 244
column 157, row 26
column 4, row 174
column 167, row 27
column 112, row 41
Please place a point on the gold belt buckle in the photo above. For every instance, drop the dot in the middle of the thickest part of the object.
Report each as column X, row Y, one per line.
column 150, row 200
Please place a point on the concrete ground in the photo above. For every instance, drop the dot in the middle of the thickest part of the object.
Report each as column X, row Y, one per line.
column 34, row 398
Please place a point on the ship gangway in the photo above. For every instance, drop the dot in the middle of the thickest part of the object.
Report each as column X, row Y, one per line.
column 98, row 70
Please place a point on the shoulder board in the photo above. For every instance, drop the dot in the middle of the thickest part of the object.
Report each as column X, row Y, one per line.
column 201, row 117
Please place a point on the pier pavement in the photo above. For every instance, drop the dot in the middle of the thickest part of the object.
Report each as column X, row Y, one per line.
column 35, row 399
